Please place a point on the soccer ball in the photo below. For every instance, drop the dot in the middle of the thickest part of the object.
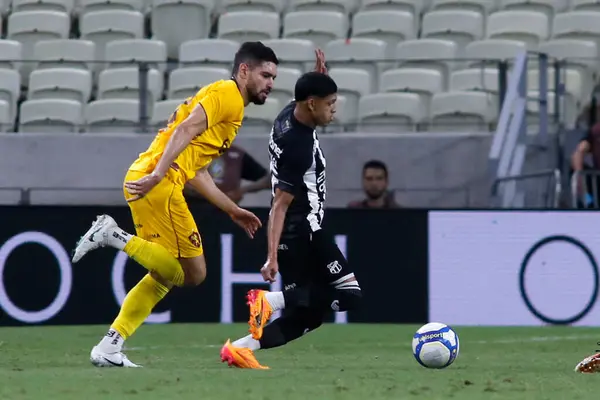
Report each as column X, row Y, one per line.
column 435, row 345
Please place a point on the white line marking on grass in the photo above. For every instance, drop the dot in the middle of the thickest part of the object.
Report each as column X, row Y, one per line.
column 534, row 339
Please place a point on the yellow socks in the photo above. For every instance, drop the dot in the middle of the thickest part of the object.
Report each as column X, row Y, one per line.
column 155, row 258
column 138, row 304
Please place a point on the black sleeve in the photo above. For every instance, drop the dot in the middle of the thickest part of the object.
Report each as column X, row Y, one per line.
column 251, row 169
column 295, row 159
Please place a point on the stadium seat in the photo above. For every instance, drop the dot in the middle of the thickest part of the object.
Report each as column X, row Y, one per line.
column 416, row 7
column 7, row 121
column 30, row 27
column 529, row 27
column 475, row 79
column 319, row 27
column 548, row 7
column 390, row 27
column 252, row 5
column 568, row 110
column 217, row 53
column 352, row 84
column 585, row 5
column 460, row 26
column 391, row 112
column 56, row 116
column 87, row 6
column 358, row 53
column 112, row 116
column 580, row 25
column 162, row 112
column 10, row 89
column 185, row 82
column 123, row 83
column 193, row 22
column 343, row 6
column 259, row 119
column 463, row 112
column 60, row 83
column 65, row 53
column 425, row 82
column 483, row 6
column 484, row 52
column 128, row 52
column 582, row 55
column 435, row 54
column 248, row 26
column 65, row 6
column 11, row 52
column 4, row 7
column 575, row 85
column 294, row 53
column 283, row 90
column 102, row 27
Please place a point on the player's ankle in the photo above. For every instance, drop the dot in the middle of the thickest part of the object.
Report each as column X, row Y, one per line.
column 275, row 300
column 118, row 238
column 112, row 342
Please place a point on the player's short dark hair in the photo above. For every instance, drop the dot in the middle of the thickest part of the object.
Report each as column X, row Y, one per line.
column 314, row 84
column 253, row 54
column 376, row 164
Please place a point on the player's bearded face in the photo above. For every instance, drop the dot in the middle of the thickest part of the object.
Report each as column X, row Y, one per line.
column 260, row 82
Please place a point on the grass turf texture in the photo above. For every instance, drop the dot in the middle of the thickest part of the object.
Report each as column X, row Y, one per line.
column 181, row 361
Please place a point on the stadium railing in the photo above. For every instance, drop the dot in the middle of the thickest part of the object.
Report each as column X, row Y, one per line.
column 585, row 190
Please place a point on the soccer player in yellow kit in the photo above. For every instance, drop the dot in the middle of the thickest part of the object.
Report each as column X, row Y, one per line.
column 168, row 243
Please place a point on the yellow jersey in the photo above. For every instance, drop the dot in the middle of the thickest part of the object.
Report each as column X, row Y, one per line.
column 224, row 107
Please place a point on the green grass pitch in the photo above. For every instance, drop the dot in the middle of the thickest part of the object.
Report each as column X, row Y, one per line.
column 367, row 362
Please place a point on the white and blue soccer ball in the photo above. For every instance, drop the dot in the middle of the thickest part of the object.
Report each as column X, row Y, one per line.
column 435, row 345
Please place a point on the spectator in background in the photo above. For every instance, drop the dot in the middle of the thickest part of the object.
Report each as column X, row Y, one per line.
column 229, row 170
column 590, row 144
column 375, row 185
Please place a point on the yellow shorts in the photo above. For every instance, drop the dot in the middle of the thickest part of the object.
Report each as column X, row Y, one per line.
column 163, row 217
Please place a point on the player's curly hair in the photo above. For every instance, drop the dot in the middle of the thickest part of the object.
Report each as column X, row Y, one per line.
column 253, row 54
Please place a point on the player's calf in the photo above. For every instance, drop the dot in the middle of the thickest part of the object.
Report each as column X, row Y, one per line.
column 347, row 294
column 194, row 270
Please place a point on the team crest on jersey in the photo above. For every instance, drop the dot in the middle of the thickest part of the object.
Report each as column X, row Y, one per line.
column 195, row 239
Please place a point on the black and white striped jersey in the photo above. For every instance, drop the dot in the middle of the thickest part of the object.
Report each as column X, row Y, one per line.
column 298, row 167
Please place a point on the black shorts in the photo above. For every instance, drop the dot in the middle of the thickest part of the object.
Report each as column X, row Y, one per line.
column 311, row 259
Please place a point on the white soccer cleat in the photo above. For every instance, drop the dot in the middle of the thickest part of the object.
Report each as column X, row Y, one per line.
column 110, row 360
column 97, row 236
column 589, row 365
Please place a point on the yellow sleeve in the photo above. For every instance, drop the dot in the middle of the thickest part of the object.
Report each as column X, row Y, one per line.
column 219, row 105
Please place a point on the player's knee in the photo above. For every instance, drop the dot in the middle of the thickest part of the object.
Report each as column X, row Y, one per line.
column 194, row 277
column 347, row 300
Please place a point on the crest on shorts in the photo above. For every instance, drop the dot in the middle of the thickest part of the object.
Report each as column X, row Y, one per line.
column 195, row 239
column 334, row 267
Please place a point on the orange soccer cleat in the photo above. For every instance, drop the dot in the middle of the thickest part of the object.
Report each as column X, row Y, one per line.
column 260, row 312
column 239, row 357
column 589, row 365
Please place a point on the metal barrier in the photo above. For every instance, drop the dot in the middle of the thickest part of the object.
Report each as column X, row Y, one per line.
column 536, row 190
column 584, row 189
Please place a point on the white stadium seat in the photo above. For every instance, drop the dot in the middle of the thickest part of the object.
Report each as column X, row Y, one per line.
column 460, row 26
column 319, row 27
column 475, row 79
column 530, row 27
column 248, row 26
column 482, row 6
column 585, row 5
column 580, row 25
column 353, row 84
column 294, row 53
column 252, row 5
column 574, row 83
column 185, row 82
column 390, row 27
column 7, row 121
column 415, row 7
column 193, row 21
column 61, row 83
column 63, row 53
column 493, row 50
column 87, row 6
column 463, row 111
column 4, row 7
column 112, row 116
column 283, row 90
column 259, row 119
column 11, row 52
column 123, row 83
column 582, row 55
column 129, row 52
column 358, row 53
column 391, row 112
column 10, row 89
column 57, row 116
column 425, row 82
column 548, row 7
column 65, row 6
column 30, row 27
column 208, row 53
column 436, row 54
column 162, row 112
column 102, row 27
column 343, row 6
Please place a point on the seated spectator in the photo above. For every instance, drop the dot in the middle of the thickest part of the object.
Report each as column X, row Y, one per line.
column 229, row 170
column 588, row 186
column 375, row 185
